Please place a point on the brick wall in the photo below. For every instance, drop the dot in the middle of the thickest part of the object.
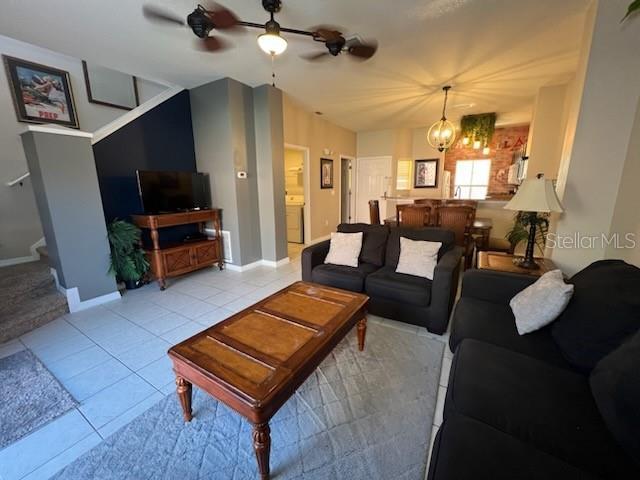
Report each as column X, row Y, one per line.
column 506, row 141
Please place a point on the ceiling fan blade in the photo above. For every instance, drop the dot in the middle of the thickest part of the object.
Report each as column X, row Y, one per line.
column 222, row 17
column 363, row 51
column 312, row 57
column 156, row 14
column 212, row 44
column 326, row 33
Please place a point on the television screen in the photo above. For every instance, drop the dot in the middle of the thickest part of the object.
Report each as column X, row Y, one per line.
column 163, row 192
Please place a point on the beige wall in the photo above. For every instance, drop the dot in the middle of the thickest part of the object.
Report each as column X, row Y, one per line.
column 545, row 133
column 293, row 171
column 591, row 174
column 306, row 129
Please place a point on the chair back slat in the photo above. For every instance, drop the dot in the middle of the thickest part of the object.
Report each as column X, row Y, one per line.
column 374, row 212
column 413, row 215
column 459, row 219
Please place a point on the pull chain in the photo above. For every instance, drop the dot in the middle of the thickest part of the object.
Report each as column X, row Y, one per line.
column 273, row 70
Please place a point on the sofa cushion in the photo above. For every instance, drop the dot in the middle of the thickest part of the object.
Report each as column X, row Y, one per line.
column 418, row 257
column 446, row 237
column 494, row 323
column 604, row 310
column 340, row 276
column 344, row 249
column 374, row 243
column 466, row 449
column 550, row 408
column 615, row 383
column 409, row 289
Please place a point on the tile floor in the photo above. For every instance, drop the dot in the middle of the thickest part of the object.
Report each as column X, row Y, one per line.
column 112, row 358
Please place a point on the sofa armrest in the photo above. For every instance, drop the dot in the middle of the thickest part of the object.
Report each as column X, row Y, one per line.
column 444, row 288
column 492, row 286
column 313, row 256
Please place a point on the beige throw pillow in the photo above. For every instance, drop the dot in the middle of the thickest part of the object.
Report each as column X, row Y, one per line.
column 344, row 249
column 541, row 303
column 418, row 257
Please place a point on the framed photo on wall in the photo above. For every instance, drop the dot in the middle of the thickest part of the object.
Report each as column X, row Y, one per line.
column 41, row 94
column 110, row 87
column 426, row 173
column 326, row 173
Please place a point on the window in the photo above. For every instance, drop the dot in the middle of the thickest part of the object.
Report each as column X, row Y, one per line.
column 472, row 179
column 403, row 177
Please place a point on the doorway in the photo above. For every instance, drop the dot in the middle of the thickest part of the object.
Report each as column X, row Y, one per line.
column 374, row 176
column 296, row 181
column 347, row 197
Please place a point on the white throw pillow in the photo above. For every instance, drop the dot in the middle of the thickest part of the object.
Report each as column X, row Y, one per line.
column 344, row 249
column 540, row 303
column 418, row 257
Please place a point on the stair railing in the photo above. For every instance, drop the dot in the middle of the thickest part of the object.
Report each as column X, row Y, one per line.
column 18, row 180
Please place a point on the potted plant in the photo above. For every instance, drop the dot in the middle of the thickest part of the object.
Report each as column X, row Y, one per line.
column 520, row 231
column 633, row 7
column 128, row 261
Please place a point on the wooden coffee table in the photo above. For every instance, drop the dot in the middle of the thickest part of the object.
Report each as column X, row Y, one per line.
column 255, row 360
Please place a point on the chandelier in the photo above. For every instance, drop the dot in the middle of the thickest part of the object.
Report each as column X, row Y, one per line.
column 442, row 133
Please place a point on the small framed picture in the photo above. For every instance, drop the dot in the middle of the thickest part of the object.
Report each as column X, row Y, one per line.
column 426, row 173
column 326, row 173
column 40, row 94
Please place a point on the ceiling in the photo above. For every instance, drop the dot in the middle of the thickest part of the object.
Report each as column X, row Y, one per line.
column 495, row 53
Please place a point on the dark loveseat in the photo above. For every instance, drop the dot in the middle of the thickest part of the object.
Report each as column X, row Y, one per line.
column 393, row 295
column 559, row 403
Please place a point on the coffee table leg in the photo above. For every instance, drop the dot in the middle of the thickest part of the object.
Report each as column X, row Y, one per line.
column 362, row 331
column 262, row 447
column 184, row 394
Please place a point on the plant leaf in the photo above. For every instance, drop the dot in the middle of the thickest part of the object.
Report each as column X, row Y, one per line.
column 635, row 5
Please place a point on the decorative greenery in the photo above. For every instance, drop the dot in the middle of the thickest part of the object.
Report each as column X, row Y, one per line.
column 633, row 7
column 520, row 231
column 128, row 261
column 479, row 127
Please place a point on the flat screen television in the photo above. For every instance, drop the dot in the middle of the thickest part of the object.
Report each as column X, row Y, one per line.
column 166, row 192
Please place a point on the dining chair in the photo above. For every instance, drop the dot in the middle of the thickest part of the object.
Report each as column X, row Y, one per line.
column 413, row 215
column 432, row 203
column 374, row 212
column 459, row 219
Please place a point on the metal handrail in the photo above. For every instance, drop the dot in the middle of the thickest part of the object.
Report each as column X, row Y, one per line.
column 19, row 180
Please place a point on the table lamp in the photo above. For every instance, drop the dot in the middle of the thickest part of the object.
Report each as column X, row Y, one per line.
column 534, row 196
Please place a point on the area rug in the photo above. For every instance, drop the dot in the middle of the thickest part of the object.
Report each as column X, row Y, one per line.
column 30, row 396
column 361, row 415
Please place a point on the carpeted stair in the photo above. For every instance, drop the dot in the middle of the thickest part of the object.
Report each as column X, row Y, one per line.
column 28, row 299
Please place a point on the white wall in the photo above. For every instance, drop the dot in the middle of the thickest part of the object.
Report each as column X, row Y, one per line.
column 19, row 222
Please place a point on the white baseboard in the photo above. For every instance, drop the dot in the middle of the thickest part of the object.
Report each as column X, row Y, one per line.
column 277, row 263
column 33, row 248
column 34, row 257
column 256, row 264
column 73, row 297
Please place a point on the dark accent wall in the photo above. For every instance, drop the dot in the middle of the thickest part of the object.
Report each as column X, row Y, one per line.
column 160, row 139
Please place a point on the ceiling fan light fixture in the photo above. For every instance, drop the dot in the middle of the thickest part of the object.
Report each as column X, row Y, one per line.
column 271, row 42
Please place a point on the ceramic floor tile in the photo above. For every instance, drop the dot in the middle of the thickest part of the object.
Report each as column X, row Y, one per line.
column 222, row 299
column 58, row 350
column 115, row 400
column 158, row 373
column 78, row 362
column 122, row 420
column 173, row 300
column 239, row 304
column 93, row 318
column 57, row 331
column 143, row 354
column 142, row 312
column 195, row 309
column 182, row 332
column 241, row 289
column 125, row 340
column 34, row 450
column 165, row 323
column 446, row 369
column 92, row 381
column 214, row 317
column 11, row 347
column 197, row 290
column 60, row 461
column 437, row 416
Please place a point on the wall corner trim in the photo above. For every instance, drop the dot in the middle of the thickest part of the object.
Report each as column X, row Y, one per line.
column 131, row 115
column 57, row 130
column 73, row 296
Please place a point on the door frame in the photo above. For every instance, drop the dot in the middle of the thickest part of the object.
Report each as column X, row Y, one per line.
column 352, row 206
column 370, row 157
column 306, row 181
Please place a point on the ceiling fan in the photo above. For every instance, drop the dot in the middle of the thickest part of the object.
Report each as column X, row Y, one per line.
column 206, row 19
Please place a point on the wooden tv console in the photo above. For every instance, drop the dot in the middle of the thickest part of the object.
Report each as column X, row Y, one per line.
column 175, row 260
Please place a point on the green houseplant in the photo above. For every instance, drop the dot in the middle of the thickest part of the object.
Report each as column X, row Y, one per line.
column 128, row 261
column 633, row 7
column 479, row 127
column 520, row 232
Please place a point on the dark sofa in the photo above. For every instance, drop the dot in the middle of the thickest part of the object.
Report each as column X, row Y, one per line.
column 559, row 403
column 393, row 295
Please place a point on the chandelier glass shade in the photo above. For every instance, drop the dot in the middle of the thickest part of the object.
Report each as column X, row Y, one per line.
column 271, row 42
column 442, row 133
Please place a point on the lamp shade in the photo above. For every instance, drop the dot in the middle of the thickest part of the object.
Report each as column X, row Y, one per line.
column 535, row 195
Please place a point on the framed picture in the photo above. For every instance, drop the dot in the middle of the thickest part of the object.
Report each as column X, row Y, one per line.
column 326, row 173
column 426, row 173
column 40, row 94
column 110, row 87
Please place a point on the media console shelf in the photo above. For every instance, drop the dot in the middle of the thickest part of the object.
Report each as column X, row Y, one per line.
column 174, row 260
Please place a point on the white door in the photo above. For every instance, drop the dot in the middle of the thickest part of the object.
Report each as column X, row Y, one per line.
column 373, row 183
